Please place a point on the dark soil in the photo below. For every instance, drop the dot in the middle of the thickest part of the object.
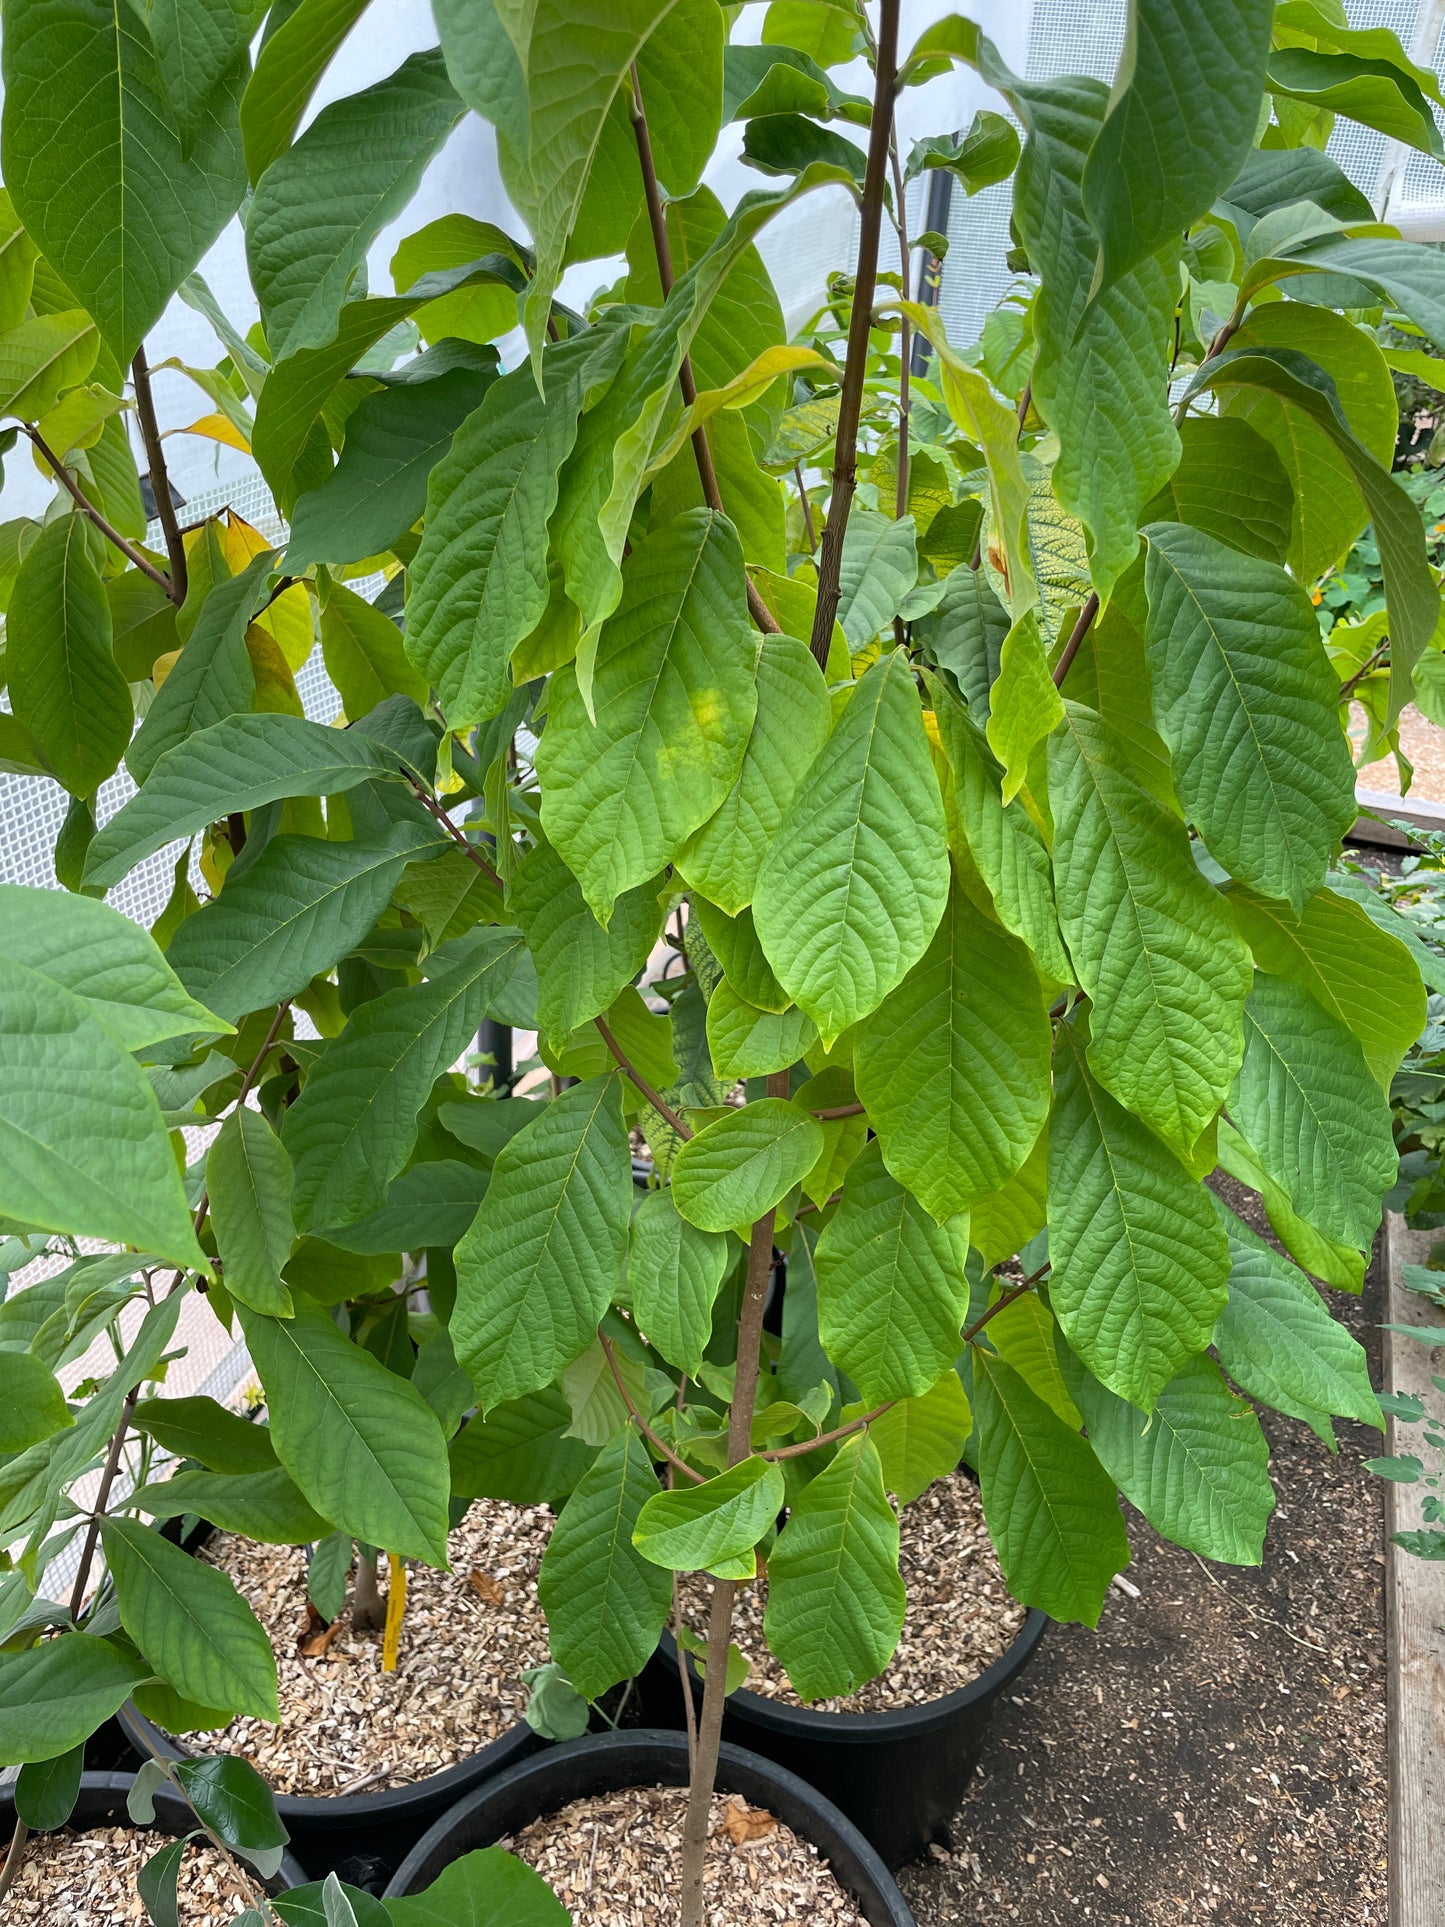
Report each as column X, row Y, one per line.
column 1215, row 1752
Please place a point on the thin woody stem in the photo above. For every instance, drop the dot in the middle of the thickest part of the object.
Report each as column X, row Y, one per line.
column 463, row 843
column 827, row 1438
column 761, row 614
column 678, row 1465
column 160, row 481
column 839, row 1110
column 905, row 332
column 659, row 1104
column 1076, row 636
column 87, row 507
column 850, row 409
column 1002, row 1303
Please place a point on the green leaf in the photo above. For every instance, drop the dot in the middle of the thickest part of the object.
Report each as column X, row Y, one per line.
column 1001, row 841
column 1306, row 1101
column 1197, row 1467
column 953, row 1066
column 673, row 1274
column 361, row 1443
column 1003, row 1223
column 55, row 1695
column 921, row 1439
column 835, row 1600
column 1345, row 883
column 102, row 957
column 65, row 688
column 965, row 636
column 235, row 765
column 734, row 942
column 1139, row 1267
column 1025, row 1334
column 82, row 1146
column 190, row 1622
column 479, row 582
column 1230, row 484
column 1410, row 589
column 582, row 965
column 353, row 1126
column 1246, row 700
column 292, row 914
column 747, row 1042
column 1374, row 92
column 46, row 1790
column 230, row 1798
column 198, row 44
column 32, row 1405
column 787, row 143
column 891, row 1287
column 986, row 154
column 880, row 566
column 97, row 157
column 674, row 701
column 43, row 357
column 266, row 1506
column 520, row 1452
column 856, row 878
column 248, row 1183
column 486, row 1888
column 538, row 1267
column 199, row 1428
column 1278, row 1342
column 1052, row 1510
column 429, row 1205
column 605, row 1604
column 1362, row 975
column 364, row 656
column 298, row 46
column 1181, row 119
column 321, row 204
column 744, row 1164
column 378, row 489
column 723, row 857
column 703, row 1528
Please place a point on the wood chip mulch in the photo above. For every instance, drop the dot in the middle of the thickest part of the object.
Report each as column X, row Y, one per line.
column 468, row 1635
column 88, row 1880
column 961, row 1616
column 613, row 1862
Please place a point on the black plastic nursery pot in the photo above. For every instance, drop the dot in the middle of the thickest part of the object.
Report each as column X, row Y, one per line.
column 613, row 1761
column 362, row 1837
column 101, row 1803
column 898, row 1776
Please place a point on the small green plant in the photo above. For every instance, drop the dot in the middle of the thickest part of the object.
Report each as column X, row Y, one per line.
column 966, row 738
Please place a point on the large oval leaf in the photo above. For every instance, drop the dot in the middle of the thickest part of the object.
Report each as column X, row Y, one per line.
column 745, row 1163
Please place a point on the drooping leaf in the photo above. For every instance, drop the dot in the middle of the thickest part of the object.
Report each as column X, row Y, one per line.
column 539, row 1265
column 231, row 1799
column 1139, row 1266
column 1165, row 1024
column 46, row 1790
column 102, row 957
column 353, row 1126
column 190, row 1622
column 65, row 688
column 1181, row 120
column 1245, row 698
column 55, row 1695
column 294, row 55
column 673, row 1274
column 248, row 1182
column 581, row 965
column 266, row 1506
column 291, row 915
column 1051, row 1509
column 198, row 45
column 199, row 1428
column 361, row 1443
column 32, row 1405
column 722, row 858
column 521, row 1452
column 856, row 877
column 40, row 359
column 97, row 156
column 1197, row 1467
column 713, row 1526
column 921, row 1439
column 364, row 656
column 1230, row 484
column 605, row 1604
column 321, row 204
column 744, row 1163
column 953, row 1065
column 880, row 566
column 235, row 765
column 891, row 1287
column 674, row 699
column 1306, row 1101
column 835, row 1600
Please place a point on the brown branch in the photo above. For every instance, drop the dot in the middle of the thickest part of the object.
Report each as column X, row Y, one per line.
column 679, row 1465
column 839, row 1110
column 662, row 249
column 855, row 368
column 659, row 1104
column 1002, row 1303
column 14, row 1857
column 827, row 1438
column 108, row 530
column 804, row 1209
column 905, row 331
column 1076, row 636
column 429, row 803
column 808, row 528
column 1217, row 346
column 160, row 482
column 1366, row 668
